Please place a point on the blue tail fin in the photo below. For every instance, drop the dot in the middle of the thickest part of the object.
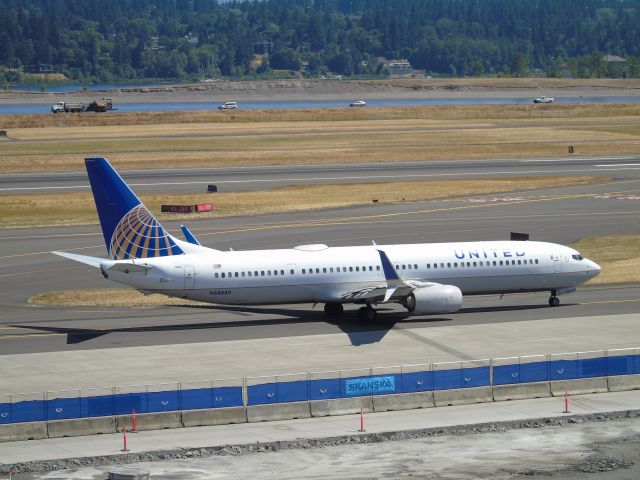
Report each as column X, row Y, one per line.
column 129, row 229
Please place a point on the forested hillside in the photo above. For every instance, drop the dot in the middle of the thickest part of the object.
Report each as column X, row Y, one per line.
column 108, row 40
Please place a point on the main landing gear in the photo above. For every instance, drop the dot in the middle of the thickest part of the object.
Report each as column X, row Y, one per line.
column 365, row 314
column 333, row 310
column 554, row 301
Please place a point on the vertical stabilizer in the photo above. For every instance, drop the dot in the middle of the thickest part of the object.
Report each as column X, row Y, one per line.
column 129, row 229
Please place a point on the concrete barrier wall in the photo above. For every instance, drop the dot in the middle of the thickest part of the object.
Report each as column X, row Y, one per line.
column 462, row 396
column 403, row 401
column 579, row 387
column 80, row 427
column 214, row 416
column 521, row 391
column 278, row 411
column 150, row 421
column 620, row 383
column 340, row 406
column 23, row 431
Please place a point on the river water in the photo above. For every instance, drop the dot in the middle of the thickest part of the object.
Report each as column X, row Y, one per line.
column 42, row 108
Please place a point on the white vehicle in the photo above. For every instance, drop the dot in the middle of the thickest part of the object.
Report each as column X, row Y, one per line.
column 544, row 99
column 424, row 278
column 228, row 106
column 358, row 103
column 67, row 107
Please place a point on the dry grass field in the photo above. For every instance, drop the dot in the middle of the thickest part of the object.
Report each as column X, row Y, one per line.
column 78, row 208
column 269, row 137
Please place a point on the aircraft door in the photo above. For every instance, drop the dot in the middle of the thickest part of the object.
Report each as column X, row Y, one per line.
column 557, row 262
column 189, row 276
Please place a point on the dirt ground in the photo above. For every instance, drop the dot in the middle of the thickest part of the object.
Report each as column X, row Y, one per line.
column 608, row 450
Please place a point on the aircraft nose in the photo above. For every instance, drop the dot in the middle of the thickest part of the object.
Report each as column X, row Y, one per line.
column 593, row 268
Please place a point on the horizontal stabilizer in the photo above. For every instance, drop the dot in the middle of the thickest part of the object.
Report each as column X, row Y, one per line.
column 93, row 261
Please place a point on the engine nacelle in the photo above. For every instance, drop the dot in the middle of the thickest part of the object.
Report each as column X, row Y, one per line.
column 437, row 299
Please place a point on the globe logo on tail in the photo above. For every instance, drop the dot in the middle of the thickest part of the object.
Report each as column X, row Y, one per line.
column 139, row 235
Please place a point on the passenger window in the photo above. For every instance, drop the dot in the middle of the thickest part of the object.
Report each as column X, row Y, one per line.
column 344, row 269
column 519, row 263
column 404, row 267
column 441, row 265
column 222, row 275
column 415, row 266
column 351, row 269
column 370, row 268
column 428, row 266
column 501, row 263
column 317, row 270
column 536, row 261
column 324, row 270
column 481, row 264
column 455, row 264
column 357, row 269
column 215, row 275
column 378, row 267
column 236, row 274
column 468, row 264
column 435, row 265
column 304, row 271
column 255, row 274
column 448, row 265
column 242, row 274
column 291, row 271
column 494, row 263
column 474, row 264
column 262, row 273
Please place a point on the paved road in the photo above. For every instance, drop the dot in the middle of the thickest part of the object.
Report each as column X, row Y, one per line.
column 255, row 178
column 560, row 215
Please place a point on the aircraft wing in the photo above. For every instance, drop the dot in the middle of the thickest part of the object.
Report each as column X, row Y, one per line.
column 395, row 287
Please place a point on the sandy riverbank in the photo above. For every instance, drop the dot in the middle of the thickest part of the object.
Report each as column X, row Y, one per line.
column 346, row 90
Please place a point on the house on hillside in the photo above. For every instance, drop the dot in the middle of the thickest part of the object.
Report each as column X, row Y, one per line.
column 399, row 68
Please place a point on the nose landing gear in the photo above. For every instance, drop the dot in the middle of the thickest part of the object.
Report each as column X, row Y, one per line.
column 554, row 301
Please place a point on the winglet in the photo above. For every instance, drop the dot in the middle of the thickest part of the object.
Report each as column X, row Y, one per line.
column 189, row 236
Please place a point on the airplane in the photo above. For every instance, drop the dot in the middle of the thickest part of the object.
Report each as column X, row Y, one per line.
column 426, row 278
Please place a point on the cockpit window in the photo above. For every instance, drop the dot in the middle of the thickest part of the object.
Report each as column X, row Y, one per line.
column 577, row 257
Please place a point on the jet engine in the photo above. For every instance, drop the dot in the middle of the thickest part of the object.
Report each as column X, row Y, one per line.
column 435, row 298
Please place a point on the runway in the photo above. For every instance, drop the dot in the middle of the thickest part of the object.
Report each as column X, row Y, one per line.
column 561, row 215
column 233, row 179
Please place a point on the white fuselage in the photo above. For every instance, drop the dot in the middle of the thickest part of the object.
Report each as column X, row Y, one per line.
column 316, row 273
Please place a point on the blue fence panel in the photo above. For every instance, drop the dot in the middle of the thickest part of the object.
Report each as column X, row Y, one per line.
column 563, row 369
column 196, row 398
column 417, row 382
column 125, row 403
column 5, row 413
column 506, row 374
column 476, row 377
column 64, row 408
column 227, row 397
column 98, row 406
column 296, row 391
column 28, row 411
column 165, row 401
column 262, row 394
column 622, row 365
column 447, row 379
column 592, row 367
column 637, row 364
column 324, row 388
column 534, row 372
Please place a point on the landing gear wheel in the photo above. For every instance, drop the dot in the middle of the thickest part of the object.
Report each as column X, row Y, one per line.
column 367, row 314
column 554, row 301
column 333, row 309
